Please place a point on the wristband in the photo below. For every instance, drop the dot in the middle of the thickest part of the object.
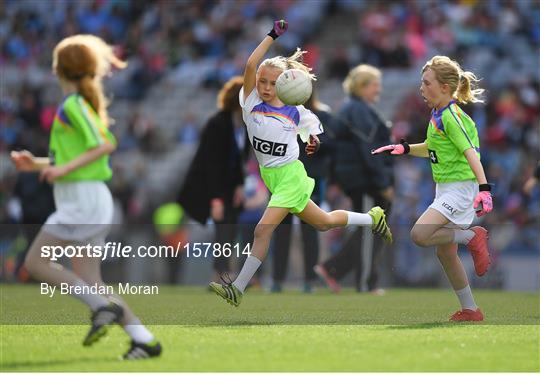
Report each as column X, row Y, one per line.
column 273, row 34
column 405, row 145
column 484, row 187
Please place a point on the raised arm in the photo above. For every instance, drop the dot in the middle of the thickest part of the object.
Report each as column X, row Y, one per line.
column 257, row 55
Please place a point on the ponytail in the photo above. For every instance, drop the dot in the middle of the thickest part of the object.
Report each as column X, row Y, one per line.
column 466, row 90
column 90, row 88
column 85, row 60
column 294, row 61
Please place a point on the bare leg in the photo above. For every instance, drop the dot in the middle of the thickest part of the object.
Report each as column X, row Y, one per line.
column 271, row 218
column 322, row 220
column 447, row 254
column 42, row 268
column 429, row 230
column 456, row 275
column 89, row 269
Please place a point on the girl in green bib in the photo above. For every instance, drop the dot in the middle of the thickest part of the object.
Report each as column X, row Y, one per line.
column 452, row 147
column 78, row 166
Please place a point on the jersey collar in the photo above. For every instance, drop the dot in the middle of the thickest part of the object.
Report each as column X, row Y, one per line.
column 438, row 113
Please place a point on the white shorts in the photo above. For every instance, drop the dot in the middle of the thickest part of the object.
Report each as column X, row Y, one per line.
column 84, row 211
column 454, row 200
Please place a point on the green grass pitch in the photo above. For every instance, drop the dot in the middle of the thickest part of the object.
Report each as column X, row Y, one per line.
column 406, row 330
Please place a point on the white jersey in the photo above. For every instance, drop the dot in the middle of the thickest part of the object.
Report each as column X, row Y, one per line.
column 272, row 131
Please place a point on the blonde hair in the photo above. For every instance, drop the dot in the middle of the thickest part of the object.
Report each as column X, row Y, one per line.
column 85, row 60
column 294, row 61
column 462, row 83
column 359, row 77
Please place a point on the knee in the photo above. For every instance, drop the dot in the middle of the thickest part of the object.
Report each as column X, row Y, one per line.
column 418, row 237
column 326, row 222
column 322, row 226
column 263, row 231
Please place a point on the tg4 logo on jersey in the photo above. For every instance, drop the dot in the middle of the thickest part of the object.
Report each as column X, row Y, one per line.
column 269, row 148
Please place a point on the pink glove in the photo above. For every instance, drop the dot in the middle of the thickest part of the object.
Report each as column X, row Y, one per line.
column 394, row 149
column 279, row 29
column 483, row 204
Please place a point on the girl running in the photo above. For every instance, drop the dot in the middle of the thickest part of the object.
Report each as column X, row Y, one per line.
column 272, row 130
column 78, row 165
column 452, row 146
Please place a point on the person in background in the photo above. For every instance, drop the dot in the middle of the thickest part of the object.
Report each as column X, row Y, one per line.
column 532, row 182
column 213, row 187
column 366, row 181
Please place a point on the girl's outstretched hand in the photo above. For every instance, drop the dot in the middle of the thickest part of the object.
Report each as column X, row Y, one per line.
column 393, row 149
column 313, row 145
column 23, row 160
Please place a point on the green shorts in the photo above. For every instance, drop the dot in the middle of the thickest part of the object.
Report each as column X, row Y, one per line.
column 289, row 185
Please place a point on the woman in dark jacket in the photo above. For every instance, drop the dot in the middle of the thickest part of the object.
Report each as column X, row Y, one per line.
column 361, row 176
column 213, row 187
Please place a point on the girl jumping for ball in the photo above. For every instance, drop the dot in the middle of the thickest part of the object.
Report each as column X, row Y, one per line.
column 272, row 129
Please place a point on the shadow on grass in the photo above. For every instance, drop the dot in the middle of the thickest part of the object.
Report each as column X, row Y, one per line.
column 430, row 325
column 433, row 325
column 43, row 364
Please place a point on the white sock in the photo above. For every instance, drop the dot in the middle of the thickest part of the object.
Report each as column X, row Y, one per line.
column 93, row 300
column 359, row 219
column 463, row 236
column 138, row 332
column 466, row 298
column 250, row 267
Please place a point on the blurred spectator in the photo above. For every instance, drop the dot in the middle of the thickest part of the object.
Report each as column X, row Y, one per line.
column 532, row 182
column 367, row 180
column 189, row 133
column 36, row 200
column 213, row 187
